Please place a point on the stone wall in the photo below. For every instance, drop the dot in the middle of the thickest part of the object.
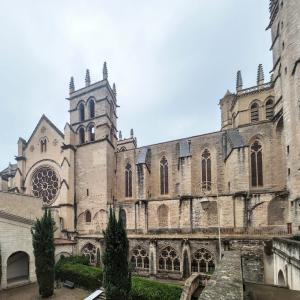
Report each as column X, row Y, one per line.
column 227, row 281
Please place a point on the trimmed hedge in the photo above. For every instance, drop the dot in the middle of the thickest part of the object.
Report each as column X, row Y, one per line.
column 77, row 259
column 145, row 289
column 90, row 277
column 82, row 275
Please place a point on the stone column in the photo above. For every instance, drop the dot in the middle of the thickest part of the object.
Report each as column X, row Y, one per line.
column 4, row 276
column 152, row 257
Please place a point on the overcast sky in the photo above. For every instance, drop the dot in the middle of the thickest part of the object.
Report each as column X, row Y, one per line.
column 171, row 60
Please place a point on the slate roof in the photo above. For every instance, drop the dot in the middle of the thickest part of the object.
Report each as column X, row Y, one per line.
column 235, row 139
column 10, row 171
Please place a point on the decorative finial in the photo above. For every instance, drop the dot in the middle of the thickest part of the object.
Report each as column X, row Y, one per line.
column 239, row 81
column 87, row 78
column 260, row 75
column 72, row 85
column 105, row 73
column 131, row 133
column 120, row 135
column 272, row 77
column 114, row 89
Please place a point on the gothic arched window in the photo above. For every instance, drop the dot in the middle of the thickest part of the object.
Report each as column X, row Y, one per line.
column 256, row 164
column 269, row 109
column 163, row 216
column 89, row 250
column 254, row 114
column 43, row 143
column 123, row 217
column 81, row 135
column 203, row 261
column 164, row 180
column 81, row 112
column 206, row 170
column 128, row 181
column 140, row 258
column 92, row 108
column 169, row 260
column 91, row 131
column 88, row 216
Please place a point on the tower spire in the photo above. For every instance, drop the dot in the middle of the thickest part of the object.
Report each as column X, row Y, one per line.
column 114, row 89
column 131, row 133
column 71, row 85
column 239, row 81
column 120, row 135
column 87, row 78
column 260, row 75
column 105, row 73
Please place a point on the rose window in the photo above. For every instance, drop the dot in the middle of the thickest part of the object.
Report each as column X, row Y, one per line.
column 45, row 184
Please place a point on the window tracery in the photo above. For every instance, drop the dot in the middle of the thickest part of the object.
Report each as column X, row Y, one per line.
column 203, row 261
column 169, row 260
column 164, row 176
column 254, row 114
column 89, row 250
column 45, row 184
column 269, row 109
column 140, row 258
column 256, row 164
column 206, row 170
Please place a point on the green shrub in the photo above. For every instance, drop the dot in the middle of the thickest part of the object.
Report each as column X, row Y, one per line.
column 145, row 289
column 78, row 259
column 82, row 275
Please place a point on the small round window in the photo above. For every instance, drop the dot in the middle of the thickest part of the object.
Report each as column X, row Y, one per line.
column 45, row 184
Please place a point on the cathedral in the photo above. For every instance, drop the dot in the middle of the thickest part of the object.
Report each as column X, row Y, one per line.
column 184, row 201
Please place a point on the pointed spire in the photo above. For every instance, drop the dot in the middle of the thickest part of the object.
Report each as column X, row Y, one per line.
column 239, row 81
column 120, row 135
column 272, row 77
column 105, row 73
column 131, row 133
column 114, row 89
column 87, row 78
column 260, row 75
column 71, row 85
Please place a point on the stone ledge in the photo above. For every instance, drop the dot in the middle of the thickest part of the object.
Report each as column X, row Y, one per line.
column 227, row 281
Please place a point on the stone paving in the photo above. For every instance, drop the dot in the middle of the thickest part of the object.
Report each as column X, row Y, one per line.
column 30, row 292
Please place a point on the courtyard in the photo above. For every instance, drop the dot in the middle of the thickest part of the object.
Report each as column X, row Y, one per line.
column 30, row 292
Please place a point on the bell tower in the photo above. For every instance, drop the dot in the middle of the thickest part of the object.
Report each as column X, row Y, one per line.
column 285, row 30
column 93, row 120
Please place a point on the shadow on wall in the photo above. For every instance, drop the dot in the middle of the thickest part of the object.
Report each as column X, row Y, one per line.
column 255, row 291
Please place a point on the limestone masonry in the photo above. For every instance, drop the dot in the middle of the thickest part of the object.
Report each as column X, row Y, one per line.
column 176, row 195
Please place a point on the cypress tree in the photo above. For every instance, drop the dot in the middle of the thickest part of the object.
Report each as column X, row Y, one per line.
column 43, row 249
column 116, row 273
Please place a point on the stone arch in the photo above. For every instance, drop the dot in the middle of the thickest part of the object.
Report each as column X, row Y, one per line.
column 186, row 264
column 100, row 220
column 203, row 261
column 281, row 279
column 123, row 217
column 61, row 255
column 163, row 216
column 277, row 210
column 17, row 267
column 89, row 250
column 140, row 258
column 169, row 259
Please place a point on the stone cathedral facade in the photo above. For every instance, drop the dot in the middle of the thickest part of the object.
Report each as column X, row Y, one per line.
column 176, row 197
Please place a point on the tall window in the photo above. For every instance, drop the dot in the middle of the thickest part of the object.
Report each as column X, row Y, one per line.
column 43, row 143
column 88, row 216
column 254, row 112
column 81, row 112
column 169, row 260
column 256, row 164
column 128, row 181
column 269, row 109
column 123, row 217
column 81, row 135
column 91, row 132
column 89, row 250
column 206, row 170
column 164, row 180
column 92, row 108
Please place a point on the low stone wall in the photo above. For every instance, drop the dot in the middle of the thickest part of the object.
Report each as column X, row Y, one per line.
column 227, row 281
